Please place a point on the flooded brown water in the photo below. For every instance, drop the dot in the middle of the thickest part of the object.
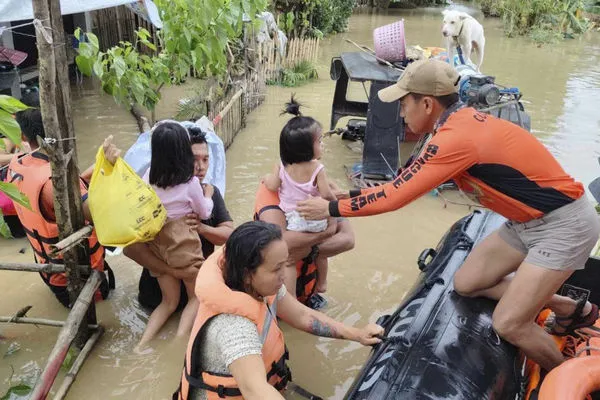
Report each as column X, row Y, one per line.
column 562, row 84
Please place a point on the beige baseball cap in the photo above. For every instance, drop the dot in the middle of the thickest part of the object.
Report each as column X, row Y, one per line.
column 428, row 77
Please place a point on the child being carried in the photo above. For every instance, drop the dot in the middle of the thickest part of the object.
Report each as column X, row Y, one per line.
column 171, row 175
column 300, row 175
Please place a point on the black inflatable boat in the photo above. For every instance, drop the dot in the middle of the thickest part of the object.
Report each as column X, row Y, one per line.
column 438, row 344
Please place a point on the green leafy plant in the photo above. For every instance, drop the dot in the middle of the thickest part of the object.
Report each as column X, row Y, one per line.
column 332, row 16
column 8, row 125
column 69, row 359
column 10, row 129
column 194, row 37
column 593, row 6
column 313, row 18
column 20, row 390
column 300, row 74
column 543, row 20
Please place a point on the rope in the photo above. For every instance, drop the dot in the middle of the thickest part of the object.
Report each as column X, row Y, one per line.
column 586, row 348
column 24, row 34
column 10, row 28
column 43, row 30
column 48, row 141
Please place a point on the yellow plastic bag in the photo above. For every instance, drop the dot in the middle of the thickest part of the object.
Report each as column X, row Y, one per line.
column 124, row 208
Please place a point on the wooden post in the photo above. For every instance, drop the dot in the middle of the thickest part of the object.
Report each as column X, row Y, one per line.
column 66, row 336
column 55, row 104
column 70, row 376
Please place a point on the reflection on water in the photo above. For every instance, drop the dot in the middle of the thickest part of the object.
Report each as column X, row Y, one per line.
column 562, row 84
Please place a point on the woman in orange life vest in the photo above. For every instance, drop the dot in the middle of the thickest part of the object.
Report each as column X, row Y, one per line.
column 551, row 227
column 236, row 348
column 300, row 279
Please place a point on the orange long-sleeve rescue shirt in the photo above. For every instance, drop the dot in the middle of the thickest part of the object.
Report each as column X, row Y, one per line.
column 501, row 165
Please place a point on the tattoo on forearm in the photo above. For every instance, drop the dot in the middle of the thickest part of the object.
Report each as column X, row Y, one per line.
column 320, row 328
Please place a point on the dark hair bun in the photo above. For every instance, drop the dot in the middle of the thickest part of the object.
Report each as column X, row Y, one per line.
column 292, row 107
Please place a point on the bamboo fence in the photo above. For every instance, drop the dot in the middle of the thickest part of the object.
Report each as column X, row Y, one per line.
column 298, row 50
column 229, row 116
column 263, row 63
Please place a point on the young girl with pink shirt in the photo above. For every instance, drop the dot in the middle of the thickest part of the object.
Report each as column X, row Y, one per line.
column 300, row 175
column 171, row 175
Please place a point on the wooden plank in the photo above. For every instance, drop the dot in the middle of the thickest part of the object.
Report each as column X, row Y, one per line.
column 37, row 321
column 71, row 240
column 33, row 267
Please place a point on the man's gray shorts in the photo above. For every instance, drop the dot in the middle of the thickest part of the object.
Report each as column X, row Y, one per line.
column 560, row 240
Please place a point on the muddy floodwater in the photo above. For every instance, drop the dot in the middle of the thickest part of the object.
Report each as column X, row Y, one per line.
column 561, row 83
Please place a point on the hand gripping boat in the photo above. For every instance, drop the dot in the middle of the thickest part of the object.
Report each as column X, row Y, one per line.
column 438, row 344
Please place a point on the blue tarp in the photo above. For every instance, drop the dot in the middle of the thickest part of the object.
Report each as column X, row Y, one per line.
column 138, row 155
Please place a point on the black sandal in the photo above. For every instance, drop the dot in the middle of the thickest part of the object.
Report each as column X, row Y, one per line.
column 575, row 320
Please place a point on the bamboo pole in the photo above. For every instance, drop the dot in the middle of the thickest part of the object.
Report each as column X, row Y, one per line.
column 33, row 267
column 304, row 49
column 296, row 51
column 37, row 321
column 66, row 336
column 72, row 374
column 71, row 240
column 216, row 120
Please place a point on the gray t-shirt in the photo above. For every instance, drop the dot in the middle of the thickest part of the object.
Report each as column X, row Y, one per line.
column 226, row 338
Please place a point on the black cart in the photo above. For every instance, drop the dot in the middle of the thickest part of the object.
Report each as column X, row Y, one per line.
column 383, row 129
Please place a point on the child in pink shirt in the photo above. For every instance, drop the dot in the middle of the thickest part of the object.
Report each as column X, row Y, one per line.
column 171, row 175
column 300, row 175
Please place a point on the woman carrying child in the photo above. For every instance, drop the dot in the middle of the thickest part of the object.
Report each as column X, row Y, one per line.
column 300, row 175
column 171, row 175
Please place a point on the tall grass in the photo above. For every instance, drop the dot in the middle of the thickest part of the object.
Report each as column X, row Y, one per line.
column 543, row 20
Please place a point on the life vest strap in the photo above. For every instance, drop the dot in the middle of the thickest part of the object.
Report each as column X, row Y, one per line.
column 278, row 368
column 265, row 208
column 281, row 369
column 304, row 277
column 199, row 383
column 111, row 276
column 37, row 236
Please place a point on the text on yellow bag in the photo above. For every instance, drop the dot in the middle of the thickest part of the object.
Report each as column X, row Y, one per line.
column 125, row 209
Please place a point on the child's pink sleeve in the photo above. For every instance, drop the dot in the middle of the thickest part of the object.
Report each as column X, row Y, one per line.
column 201, row 205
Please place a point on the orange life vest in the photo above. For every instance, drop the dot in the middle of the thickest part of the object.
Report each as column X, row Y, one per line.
column 216, row 298
column 572, row 380
column 578, row 377
column 29, row 174
column 306, row 269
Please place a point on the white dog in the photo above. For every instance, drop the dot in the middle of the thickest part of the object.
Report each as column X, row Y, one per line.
column 460, row 29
